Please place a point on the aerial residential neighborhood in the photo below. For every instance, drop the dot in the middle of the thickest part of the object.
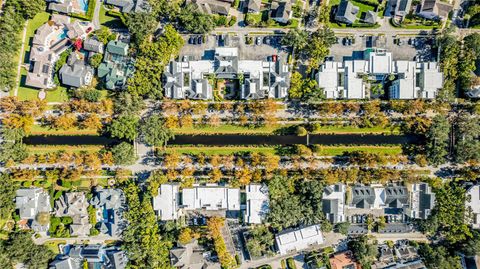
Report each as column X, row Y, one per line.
column 249, row 134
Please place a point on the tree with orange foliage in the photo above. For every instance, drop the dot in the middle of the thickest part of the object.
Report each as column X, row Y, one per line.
column 215, row 225
column 215, row 175
column 244, row 176
column 171, row 161
column 186, row 236
column 8, row 104
column 186, row 121
column 15, row 121
column 107, row 106
column 214, row 121
column 92, row 121
column 107, row 157
column 92, row 161
column 65, row 121
column 171, row 122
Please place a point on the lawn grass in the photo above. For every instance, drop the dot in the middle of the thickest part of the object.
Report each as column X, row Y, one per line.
column 324, row 150
column 53, row 245
column 227, row 129
column 27, row 93
column 220, row 150
column 363, row 9
column 109, row 21
column 32, row 26
column 43, row 149
column 43, row 130
column 339, row 150
column 235, row 129
column 356, row 130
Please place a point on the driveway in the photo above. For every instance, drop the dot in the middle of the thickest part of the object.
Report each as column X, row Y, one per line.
column 96, row 15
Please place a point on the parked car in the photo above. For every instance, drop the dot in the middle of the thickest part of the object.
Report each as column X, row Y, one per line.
column 258, row 40
column 266, row 40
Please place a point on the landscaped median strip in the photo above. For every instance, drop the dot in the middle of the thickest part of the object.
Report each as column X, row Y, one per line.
column 43, row 130
column 236, row 129
column 327, row 151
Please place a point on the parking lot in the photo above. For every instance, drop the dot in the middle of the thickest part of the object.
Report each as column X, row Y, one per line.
column 259, row 47
column 402, row 48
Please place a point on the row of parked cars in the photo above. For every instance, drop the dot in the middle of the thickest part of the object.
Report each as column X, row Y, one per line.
column 196, row 40
column 259, row 40
column 362, row 218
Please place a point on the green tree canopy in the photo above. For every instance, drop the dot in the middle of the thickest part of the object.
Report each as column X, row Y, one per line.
column 20, row 248
column 467, row 132
column 154, row 132
column 151, row 61
column 124, row 126
column 195, row 21
column 8, row 187
column 123, row 154
column 142, row 241
column 141, row 25
column 437, row 140
column 296, row 38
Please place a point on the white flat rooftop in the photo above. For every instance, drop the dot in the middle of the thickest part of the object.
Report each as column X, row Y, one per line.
column 299, row 239
column 211, row 198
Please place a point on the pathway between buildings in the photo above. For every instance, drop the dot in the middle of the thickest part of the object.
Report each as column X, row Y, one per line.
column 20, row 59
column 99, row 239
column 96, row 15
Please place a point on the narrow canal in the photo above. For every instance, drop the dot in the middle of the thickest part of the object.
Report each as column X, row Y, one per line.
column 224, row 140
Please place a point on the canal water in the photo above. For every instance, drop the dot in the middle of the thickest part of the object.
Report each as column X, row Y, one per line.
column 224, row 140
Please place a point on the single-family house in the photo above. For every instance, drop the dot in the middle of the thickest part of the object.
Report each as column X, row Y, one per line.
column 254, row 6
column 110, row 205
column 401, row 8
column 370, row 17
column 435, row 9
column 93, row 45
column 472, row 205
column 191, row 256
column 344, row 260
column 298, row 239
column 281, row 11
column 76, row 72
column 74, row 205
column 61, row 6
column 257, row 203
column 117, row 66
column 49, row 41
column 212, row 6
column 32, row 204
column 347, row 12
column 333, row 202
column 126, row 6
column 91, row 256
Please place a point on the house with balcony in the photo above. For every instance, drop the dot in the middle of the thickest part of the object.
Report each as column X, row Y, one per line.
column 193, row 79
column 350, row 78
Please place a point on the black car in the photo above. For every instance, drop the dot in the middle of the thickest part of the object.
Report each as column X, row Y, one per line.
column 199, row 40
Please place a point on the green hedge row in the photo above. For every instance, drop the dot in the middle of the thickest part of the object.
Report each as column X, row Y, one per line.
column 89, row 14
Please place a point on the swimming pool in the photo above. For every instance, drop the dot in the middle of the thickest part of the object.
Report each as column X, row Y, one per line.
column 62, row 34
column 83, row 5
